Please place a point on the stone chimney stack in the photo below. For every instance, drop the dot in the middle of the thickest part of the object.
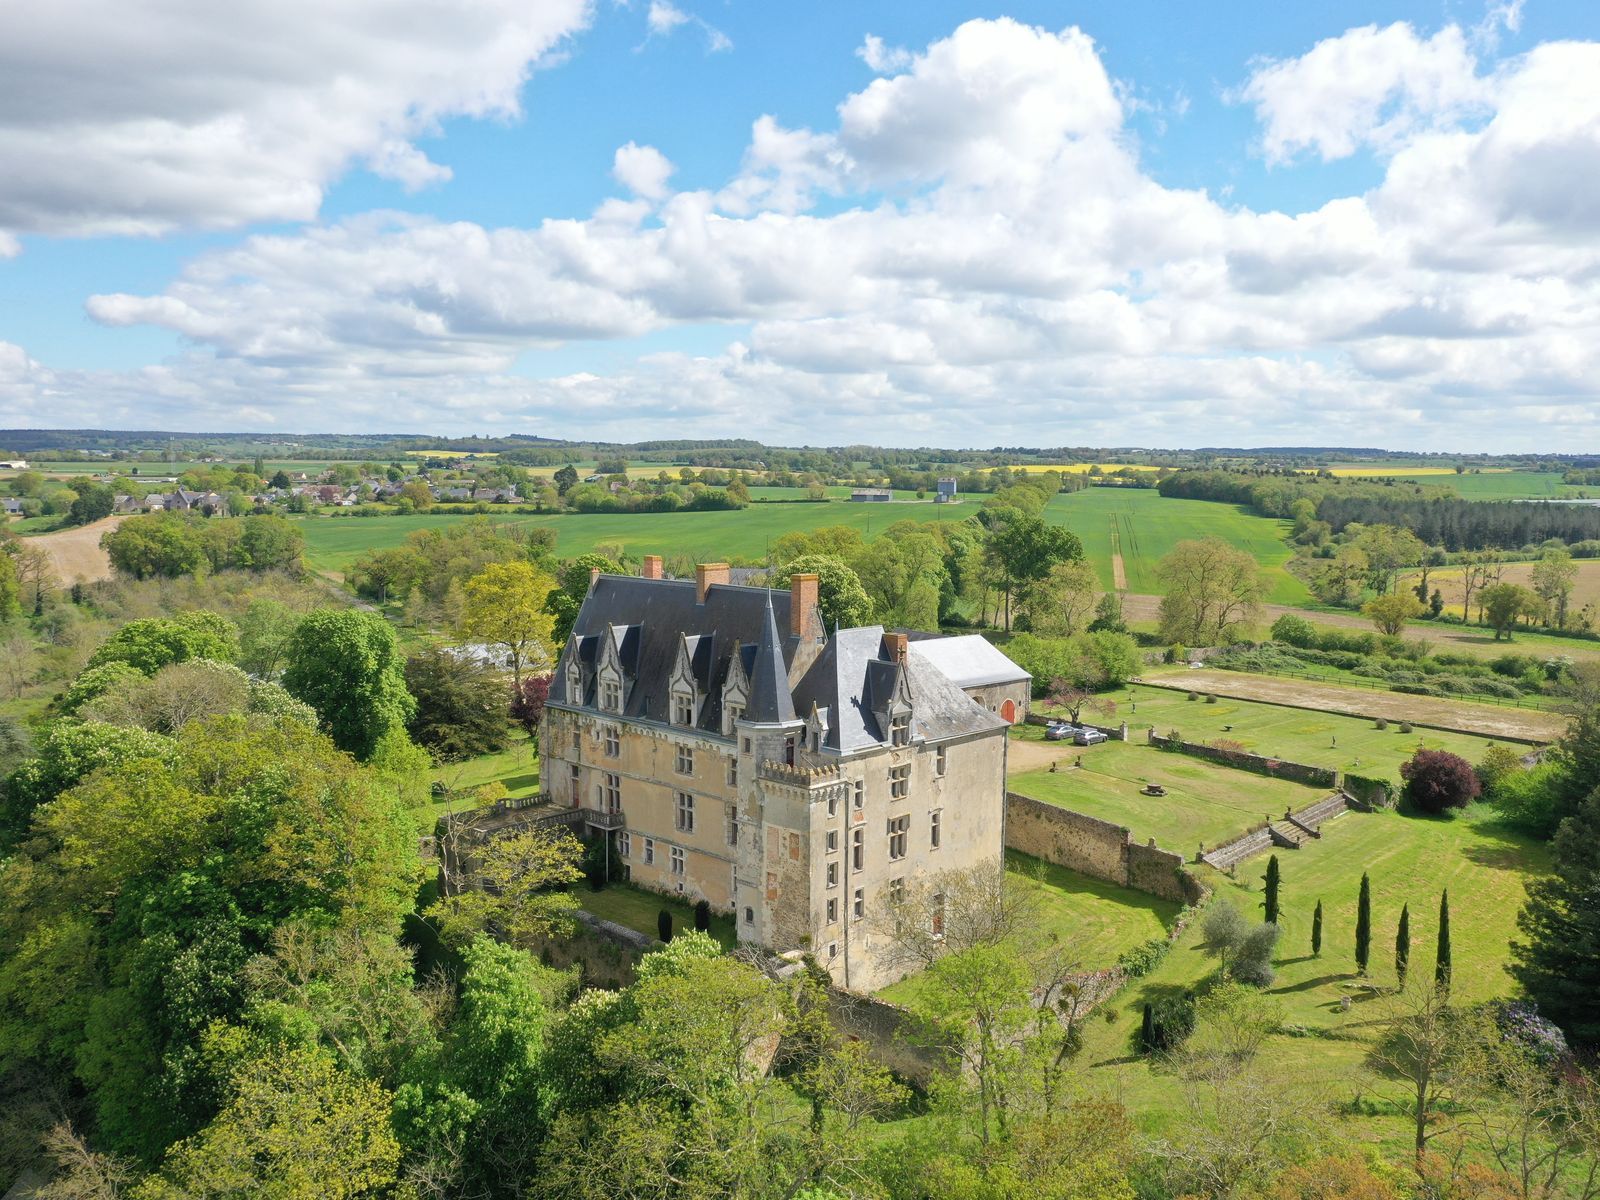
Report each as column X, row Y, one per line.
column 802, row 603
column 895, row 645
column 705, row 575
column 651, row 568
column 594, row 576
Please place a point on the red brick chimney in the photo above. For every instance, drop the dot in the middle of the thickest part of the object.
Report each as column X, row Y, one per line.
column 705, row 575
column 895, row 645
column 802, row 603
column 651, row 568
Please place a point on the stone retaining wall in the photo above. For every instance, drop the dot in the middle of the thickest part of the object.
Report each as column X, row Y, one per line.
column 1096, row 848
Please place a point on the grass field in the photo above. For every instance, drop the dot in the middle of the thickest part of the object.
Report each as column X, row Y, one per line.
column 1099, row 921
column 160, row 470
column 1147, row 526
column 332, row 543
column 1410, row 860
column 1205, row 803
column 1322, row 739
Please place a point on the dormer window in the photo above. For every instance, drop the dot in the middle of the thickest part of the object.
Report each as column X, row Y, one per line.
column 611, row 695
column 574, row 683
column 900, row 729
column 682, row 708
column 731, row 712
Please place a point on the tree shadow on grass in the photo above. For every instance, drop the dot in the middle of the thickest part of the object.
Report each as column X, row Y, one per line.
column 1306, row 985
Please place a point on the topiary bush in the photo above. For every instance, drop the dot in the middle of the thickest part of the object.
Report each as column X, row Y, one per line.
column 1380, row 723
column 1211, row 698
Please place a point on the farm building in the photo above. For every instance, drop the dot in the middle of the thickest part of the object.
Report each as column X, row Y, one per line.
column 946, row 491
column 871, row 494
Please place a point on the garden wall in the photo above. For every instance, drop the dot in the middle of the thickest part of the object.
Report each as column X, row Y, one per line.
column 1096, row 848
column 1243, row 760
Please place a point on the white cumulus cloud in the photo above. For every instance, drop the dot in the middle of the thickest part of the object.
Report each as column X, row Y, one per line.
column 643, row 170
column 142, row 117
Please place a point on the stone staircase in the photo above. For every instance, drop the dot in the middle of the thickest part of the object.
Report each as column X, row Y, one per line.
column 1294, row 830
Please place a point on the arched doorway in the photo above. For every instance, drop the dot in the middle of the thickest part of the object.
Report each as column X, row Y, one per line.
column 1008, row 710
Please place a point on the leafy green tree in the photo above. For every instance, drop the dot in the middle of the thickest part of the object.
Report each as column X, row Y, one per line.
column 841, row 599
column 1504, row 604
column 571, row 586
column 1022, row 550
column 10, row 586
column 379, row 572
column 505, row 606
column 523, row 897
column 346, row 665
column 1554, row 576
column 94, row 681
column 95, row 501
column 151, row 643
column 461, row 705
column 294, row 1126
column 1108, row 615
column 64, row 755
column 1225, row 930
column 1364, row 925
column 264, row 633
column 1390, row 612
column 154, row 545
column 1212, row 590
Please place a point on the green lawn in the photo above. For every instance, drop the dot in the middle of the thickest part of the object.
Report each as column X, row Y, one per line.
column 517, row 767
column 333, row 542
column 1410, row 860
column 1322, row 739
column 1145, row 526
column 1097, row 921
column 638, row 910
column 1205, row 803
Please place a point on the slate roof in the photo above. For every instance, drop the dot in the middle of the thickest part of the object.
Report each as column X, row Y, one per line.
column 851, row 682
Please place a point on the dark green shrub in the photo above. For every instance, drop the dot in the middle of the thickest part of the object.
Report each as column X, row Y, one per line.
column 664, row 925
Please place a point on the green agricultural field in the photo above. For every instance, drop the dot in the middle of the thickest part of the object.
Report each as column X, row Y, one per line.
column 1410, row 861
column 1205, row 804
column 1322, row 739
column 1098, row 921
column 1142, row 526
column 160, row 470
column 333, row 542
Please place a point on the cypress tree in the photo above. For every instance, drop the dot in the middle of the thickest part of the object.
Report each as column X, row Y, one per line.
column 1441, row 963
column 1147, row 1031
column 1364, row 925
column 664, row 925
column 1402, row 946
column 1271, row 902
column 1316, row 931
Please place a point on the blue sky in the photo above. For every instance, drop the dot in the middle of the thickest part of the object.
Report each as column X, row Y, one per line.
column 1113, row 291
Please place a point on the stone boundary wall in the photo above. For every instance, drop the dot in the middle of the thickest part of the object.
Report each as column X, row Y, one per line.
column 1117, row 733
column 1372, row 793
column 1097, row 848
column 1277, row 768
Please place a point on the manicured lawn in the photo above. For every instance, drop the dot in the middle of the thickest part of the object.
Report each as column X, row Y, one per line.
column 1096, row 921
column 1319, row 738
column 1410, row 861
column 1205, row 803
column 333, row 542
column 1146, row 526
column 638, row 910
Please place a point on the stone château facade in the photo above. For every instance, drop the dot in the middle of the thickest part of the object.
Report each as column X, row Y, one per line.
column 736, row 751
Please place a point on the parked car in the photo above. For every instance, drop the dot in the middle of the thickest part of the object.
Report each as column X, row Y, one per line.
column 1059, row 731
column 1088, row 737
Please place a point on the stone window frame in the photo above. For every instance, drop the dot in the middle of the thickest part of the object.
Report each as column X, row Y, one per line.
column 683, row 761
column 900, row 781
column 612, row 738
column 683, row 812
column 677, row 861
column 935, row 828
column 899, row 830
